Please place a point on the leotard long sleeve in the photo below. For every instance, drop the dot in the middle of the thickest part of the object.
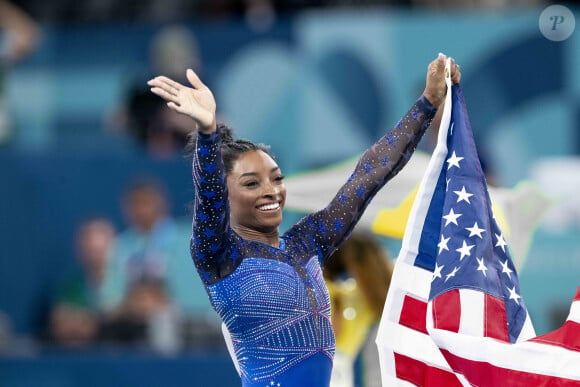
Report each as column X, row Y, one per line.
column 274, row 301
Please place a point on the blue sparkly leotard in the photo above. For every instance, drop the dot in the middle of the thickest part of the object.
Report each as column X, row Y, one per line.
column 273, row 300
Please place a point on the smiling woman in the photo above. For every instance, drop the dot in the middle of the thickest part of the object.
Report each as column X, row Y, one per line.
column 256, row 194
column 268, row 289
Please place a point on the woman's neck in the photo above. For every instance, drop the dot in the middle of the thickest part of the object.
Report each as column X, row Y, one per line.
column 269, row 237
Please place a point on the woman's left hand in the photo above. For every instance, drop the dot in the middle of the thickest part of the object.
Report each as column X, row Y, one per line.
column 435, row 87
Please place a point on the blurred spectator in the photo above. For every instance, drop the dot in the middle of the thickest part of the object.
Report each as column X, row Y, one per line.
column 146, row 317
column 74, row 317
column 146, row 116
column 358, row 276
column 21, row 33
column 73, row 326
column 20, row 36
column 93, row 243
column 155, row 247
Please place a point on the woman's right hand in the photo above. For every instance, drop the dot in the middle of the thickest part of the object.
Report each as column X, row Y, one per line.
column 196, row 102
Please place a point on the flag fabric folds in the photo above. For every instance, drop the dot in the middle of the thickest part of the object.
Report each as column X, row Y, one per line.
column 454, row 315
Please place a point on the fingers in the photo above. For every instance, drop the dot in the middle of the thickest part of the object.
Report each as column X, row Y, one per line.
column 439, row 63
column 435, row 86
column 164, row 94
column 167, row 89
column 175, row 107
column 167, row 84
column 455, row 72
column 435, row 67
column 194, row 79
column 456, row 78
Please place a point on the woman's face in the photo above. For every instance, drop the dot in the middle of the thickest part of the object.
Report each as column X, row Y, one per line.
column 256, row 192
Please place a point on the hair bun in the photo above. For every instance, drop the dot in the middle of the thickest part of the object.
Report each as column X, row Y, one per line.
column 226, row 134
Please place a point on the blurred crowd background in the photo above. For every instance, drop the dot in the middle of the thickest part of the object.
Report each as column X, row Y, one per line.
column 96, row 284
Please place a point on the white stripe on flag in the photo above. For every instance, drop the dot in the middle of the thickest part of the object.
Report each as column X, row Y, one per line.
column 415, row 344
column 528, row 330
column 526, row 356
column 575, row 313
column 472, row 312
column 413, row 280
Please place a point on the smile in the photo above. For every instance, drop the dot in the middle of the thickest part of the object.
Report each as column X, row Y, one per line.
column 269, row 207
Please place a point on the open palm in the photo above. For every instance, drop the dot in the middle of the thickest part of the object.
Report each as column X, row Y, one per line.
column 196, row 102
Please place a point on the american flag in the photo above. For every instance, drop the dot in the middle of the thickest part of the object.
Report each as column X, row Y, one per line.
column 454, row 315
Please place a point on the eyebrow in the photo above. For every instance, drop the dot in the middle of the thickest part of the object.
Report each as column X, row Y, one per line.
column 255, row 174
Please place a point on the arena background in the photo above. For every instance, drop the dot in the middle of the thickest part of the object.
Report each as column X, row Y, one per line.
column 318, row 84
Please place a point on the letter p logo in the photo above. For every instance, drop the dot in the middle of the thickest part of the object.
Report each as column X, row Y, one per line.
column 557, row 23
column 556, row 20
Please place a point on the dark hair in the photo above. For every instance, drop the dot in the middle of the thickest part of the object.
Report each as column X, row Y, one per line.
column 232, row 148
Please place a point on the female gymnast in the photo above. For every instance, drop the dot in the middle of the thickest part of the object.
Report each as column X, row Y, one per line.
column 268, row 288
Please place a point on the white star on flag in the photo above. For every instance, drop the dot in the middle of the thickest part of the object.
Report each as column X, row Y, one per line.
column 475, row 230
column 513, row 295
column 505, row 269
column 454, row 161
column 464, row 250
column 481, row 266
column 463, row 195
column 437, row 272
column 452, row 274
column 451, row 217
column 443, row 244
column 500, row 242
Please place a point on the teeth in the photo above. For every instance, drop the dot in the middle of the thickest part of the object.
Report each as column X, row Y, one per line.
column 269, row 207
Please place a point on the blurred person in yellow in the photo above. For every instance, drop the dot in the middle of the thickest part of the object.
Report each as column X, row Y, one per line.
column 357, row 275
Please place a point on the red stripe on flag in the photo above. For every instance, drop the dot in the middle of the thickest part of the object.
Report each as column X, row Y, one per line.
column 495, row 319
column 421, row 374
column 413, row 314
column 567, row 336
column 485, row 374
column 577, row 296
column 447, row 311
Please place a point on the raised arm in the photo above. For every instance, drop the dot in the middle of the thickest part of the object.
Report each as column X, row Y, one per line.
column 210, row 216
column 380, row 163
